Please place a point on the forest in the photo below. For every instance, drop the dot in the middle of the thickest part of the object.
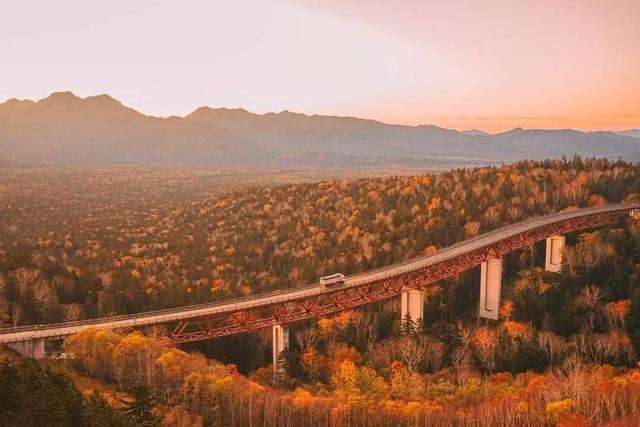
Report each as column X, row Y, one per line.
column 83, row 243
column 563, row 353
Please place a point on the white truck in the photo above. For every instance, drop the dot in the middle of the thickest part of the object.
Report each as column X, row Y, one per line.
column 332, row 280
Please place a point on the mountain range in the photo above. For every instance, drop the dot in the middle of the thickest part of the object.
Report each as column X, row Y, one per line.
column 64, row 129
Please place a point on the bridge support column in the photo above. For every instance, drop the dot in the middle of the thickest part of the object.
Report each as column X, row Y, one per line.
column 490, row 287
column 280, row 344
column 554, row 254
column 412, row 305
column 33, row 349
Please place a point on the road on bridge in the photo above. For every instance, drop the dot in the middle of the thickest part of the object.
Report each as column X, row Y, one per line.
column 307, row 292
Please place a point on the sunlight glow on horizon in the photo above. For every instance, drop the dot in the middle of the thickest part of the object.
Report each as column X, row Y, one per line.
column 491, row 65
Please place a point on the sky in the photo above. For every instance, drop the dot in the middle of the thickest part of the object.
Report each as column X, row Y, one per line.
column 485, row 64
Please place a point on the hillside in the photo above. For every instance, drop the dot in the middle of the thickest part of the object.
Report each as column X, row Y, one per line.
column 92, row 243
column 99, row 130
column 564, row 351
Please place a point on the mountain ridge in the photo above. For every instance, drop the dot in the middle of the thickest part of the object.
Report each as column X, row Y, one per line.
column 66, row 129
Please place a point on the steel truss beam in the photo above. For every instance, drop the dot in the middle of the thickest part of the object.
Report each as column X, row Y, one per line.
column 346, row 298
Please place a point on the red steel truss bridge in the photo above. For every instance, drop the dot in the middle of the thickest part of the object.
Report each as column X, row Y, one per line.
column 240, row 315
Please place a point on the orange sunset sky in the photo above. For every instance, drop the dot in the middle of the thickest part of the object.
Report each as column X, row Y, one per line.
column 492, row 65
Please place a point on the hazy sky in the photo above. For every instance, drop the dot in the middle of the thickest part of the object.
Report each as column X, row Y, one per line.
column 489, row 64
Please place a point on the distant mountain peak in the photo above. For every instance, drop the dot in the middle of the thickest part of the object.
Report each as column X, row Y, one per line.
column 287, row 113
column 519, row 131
column 61, row 96
column 102, row 99
column 438, row 130
column 66, row 129
column 60, row 99
column 14, row 104
column 201, row 110
column 206, row 113
column 14, row 101
column 475, row 132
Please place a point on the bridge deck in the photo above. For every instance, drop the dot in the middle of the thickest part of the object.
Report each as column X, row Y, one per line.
column 24, row 333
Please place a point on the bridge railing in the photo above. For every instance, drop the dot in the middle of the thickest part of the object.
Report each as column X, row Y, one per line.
column 123, row 317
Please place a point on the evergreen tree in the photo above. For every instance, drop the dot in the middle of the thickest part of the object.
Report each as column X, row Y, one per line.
column 140, row 410
column 33, row 394
column 97, row 413
column 408, row 327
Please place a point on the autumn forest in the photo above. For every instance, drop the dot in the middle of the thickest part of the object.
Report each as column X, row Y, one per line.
column 87, row 243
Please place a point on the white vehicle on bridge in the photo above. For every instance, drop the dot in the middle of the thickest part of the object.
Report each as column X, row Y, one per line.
column 329, row 281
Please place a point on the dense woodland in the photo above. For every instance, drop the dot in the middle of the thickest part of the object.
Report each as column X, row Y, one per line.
column 80, row 243
column 564, row 351
column 33, row 393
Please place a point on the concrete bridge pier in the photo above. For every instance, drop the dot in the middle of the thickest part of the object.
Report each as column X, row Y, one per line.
column 412, row 305
column 490, row 287
column 554, row 254
column 280, row 344
column 33, row 349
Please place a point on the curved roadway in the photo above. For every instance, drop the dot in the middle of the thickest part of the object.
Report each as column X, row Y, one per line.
column 58, row 330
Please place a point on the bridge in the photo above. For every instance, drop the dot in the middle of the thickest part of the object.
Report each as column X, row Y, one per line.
column 406, row 280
